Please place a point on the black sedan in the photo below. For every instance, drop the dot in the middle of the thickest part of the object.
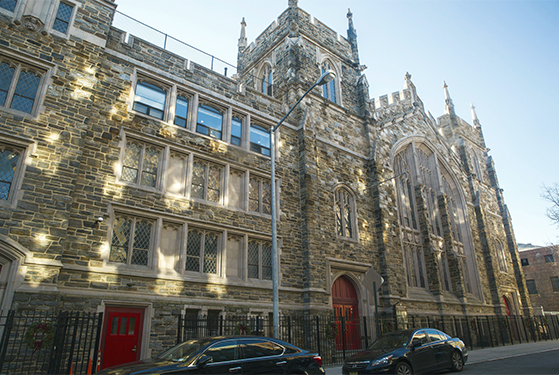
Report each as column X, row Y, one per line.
column 409, row 351
column 227, row 355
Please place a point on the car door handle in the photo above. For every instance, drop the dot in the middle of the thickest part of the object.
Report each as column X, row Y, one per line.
column 281, row 363
column 235, row 369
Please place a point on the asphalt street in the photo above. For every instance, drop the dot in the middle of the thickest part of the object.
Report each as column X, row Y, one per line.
column 531, row 358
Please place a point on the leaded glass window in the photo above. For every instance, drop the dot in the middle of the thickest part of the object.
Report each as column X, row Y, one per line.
column 202, row 249
column 9, row 5
column 345, row 213
column 259, row 262
column 259, row 195
column 18, row 86
column 210, row 121
column 9, row 158
column 131, row 240
column 206, row 180
column 141, row 163
column 150, row 99
column 63, row 16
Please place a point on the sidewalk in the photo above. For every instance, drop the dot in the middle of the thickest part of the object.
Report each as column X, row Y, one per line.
column 490, row 354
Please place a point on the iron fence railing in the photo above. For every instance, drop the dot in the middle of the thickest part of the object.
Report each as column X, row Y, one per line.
column 337, row 338
column 42, row 342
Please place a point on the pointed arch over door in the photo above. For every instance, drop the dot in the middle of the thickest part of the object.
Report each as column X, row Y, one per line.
column 346, row 312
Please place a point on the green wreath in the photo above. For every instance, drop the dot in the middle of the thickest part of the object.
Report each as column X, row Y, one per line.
column 331, row 331
column 241, row 329
column 39, row 335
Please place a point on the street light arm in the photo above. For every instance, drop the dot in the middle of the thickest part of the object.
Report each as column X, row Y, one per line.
column 292, row 108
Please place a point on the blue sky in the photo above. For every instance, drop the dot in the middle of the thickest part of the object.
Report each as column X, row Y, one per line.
column 502, row 56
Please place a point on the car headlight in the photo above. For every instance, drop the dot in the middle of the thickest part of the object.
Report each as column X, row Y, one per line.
column 382, row 361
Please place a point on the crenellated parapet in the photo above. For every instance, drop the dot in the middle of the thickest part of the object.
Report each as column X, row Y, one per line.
column 397, row 103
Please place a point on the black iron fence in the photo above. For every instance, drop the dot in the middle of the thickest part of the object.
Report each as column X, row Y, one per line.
column 337, row 338
column 40, row 342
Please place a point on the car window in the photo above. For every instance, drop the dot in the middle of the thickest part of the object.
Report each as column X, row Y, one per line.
column 260, row 348
column 434, row 335
column 420, row 336
column 390, row 341
column 444, row 335
column 223, row 351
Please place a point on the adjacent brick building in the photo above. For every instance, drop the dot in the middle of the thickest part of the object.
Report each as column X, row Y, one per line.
column 136, row 182
column 540, row 266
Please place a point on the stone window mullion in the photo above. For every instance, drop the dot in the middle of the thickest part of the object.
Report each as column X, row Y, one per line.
column 13, row 84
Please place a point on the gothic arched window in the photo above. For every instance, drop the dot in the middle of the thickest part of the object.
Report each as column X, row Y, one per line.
column 345, row 214
column 267, row 80
column 329, row 89
column 501, row 257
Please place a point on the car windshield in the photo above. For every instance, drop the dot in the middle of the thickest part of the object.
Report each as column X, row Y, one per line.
column 182, row 352
column 390, row 342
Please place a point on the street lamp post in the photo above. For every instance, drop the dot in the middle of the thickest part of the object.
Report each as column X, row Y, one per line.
column 324, row 79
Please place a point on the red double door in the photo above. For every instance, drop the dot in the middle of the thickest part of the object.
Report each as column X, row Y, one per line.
column 346, row 312
column 122, row 336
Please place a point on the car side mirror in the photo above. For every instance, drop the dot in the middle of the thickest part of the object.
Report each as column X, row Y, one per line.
column 204, row 360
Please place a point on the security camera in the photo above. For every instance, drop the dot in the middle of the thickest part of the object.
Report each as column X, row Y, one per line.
column 100, row 219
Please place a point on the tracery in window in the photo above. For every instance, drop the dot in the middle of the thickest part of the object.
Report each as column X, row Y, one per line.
column 131, row 239
column 345, row 213
column 141, row 163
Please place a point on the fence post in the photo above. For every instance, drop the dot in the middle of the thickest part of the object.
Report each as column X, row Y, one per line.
column 318, row 334
column 288, row 328
column 59, row 335
column 98, row 339
column 73, row 344
column 489, row 329
column 366, row 333
column 342, row 318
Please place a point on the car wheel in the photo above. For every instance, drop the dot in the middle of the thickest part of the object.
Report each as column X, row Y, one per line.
column 457, row 361
column 403, row 368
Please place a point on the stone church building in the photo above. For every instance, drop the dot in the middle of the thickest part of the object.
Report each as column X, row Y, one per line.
column 136, row 182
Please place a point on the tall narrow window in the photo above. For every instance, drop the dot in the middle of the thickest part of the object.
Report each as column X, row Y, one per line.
column 345, row 213
column 131, row 239
column 555, row 283
column 9, row 5
column 141, row 163
column 181, row 111
column 259, row 139
column 63, row 16
column 531, row 285
column 267, row 77
column 18, row 86
column 259, row 261
column 501, row 257
column 259, row 197
column 236, row 130
column 9, row 158
column 202, row 250
column 210, row 121
column 150, row 100
column 206, row 181
column 329, row 89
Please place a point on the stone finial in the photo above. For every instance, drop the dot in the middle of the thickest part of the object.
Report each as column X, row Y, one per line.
column 475, row 120
column 449, row 106
column 242, row 38
column 292, row 3
column 352, row 38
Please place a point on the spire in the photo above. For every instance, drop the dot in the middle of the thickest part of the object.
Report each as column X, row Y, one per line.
column 475, row 120
column 449, row 106
column 352, row 37
column 243, row 39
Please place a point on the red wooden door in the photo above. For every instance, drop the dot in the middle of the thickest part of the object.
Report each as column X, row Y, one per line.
column 122, row 335
column 346, row 311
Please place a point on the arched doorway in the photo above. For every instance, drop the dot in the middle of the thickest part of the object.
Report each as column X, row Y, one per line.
column 346, row 313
